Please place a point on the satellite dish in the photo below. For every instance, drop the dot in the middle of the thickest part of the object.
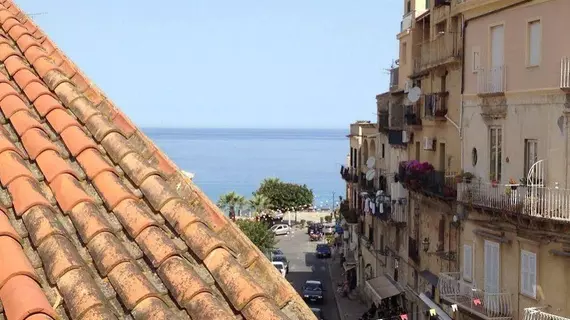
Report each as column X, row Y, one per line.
column 370, row 174
column 370, row 162
column 414, row 94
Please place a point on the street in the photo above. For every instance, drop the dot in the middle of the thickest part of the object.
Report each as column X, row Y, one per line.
column 304, row 265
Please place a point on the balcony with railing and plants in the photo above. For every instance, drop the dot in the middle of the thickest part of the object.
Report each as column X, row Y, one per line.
column 485, row 304
column 492, row 81
column 517, row 198
column 435, row 105
column 348, row 174
column 445, row 48
column 422, row 177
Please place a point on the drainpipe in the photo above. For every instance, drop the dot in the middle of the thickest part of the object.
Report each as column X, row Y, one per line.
column 464, row 29
column 566, row 152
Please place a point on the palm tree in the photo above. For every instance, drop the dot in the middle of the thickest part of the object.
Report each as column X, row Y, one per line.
column 259, row 203
column 231, row 201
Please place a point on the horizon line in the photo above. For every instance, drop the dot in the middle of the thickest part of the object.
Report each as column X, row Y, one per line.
column 243, row 128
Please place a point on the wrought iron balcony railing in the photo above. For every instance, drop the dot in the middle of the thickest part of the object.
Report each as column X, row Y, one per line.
column 443, row 49
column 533, row 201
column 492, row 80
column 487, row 305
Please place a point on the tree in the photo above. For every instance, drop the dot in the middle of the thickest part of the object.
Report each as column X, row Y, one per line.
column 284, row 195
column 259, row 203
column 231, row 201
column 258, row 233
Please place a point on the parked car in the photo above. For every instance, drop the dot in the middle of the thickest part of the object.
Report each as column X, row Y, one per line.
column 282, row 258
column 276, row 252
column 280, row 266
column 280, row 229
column 318, row 313
column 323, row 250
column 329, row 228
column 313, row 291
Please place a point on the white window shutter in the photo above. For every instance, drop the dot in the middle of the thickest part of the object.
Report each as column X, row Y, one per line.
column 524, row 272
column 534, row 43
column 467, row 262
column 532, row 274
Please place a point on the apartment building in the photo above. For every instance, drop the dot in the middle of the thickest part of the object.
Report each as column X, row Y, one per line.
column 514, row 205
column 429, row 81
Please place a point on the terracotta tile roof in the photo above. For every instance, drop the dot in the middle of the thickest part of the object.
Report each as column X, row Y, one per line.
column 96, row 222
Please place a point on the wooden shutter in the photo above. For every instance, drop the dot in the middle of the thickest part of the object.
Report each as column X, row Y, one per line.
column 532, row 274
column 467, row 262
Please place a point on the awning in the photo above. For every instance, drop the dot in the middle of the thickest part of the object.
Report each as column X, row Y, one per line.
column 430, row 277
column 348, row 265
column 440, row 313
column 382, row 287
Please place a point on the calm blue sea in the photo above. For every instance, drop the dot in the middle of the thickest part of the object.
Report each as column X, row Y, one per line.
column 238, row 160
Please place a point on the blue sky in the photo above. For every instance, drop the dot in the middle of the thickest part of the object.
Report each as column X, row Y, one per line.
column 228, row 63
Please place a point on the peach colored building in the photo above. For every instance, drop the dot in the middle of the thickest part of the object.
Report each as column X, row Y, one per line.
column 514, row 212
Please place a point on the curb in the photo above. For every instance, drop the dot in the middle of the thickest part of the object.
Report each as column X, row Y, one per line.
column 338, row 307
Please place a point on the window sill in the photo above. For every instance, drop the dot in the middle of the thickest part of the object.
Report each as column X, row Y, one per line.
column 529, row 296
column 533, row 66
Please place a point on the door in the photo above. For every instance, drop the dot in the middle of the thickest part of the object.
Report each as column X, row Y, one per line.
column 497, row 58
column 492, row 269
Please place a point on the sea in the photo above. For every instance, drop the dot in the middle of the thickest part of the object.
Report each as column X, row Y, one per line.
column 224, row 160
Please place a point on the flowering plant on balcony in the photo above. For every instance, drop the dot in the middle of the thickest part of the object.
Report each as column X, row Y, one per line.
column 412, row 172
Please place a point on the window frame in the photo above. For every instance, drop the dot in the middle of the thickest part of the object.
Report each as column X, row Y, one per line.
column 527, row 164
column 495, row 142
column 529, row 275
column 475, row 59
column 468, row 277
column 529, row 42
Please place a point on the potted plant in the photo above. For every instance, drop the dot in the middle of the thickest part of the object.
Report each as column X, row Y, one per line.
column 468, row 176
column 513, row 184
column 523, row 181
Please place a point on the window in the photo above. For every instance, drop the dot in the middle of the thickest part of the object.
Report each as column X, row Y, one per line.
column 495, row 153
column 530, row 154
column 475, row 59
column 404, row 53
column 408, row 6
column 528, row 273
column 467, row 262
column 383, row 151
column 534, row 43
column 427, row 4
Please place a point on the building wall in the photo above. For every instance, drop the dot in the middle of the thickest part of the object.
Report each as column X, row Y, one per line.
column 519, row 77
column 552, row 271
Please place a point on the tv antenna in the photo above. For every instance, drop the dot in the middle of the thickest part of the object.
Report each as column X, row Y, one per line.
column 36, row 14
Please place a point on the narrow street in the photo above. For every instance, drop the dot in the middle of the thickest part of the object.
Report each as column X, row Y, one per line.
column 304, row 265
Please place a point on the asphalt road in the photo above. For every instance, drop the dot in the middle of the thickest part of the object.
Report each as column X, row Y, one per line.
column 304, row 265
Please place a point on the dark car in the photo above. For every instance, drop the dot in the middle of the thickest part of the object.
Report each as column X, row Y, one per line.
column 323, row 250
column 318, row 313
column 313, row 291
column 281, row 258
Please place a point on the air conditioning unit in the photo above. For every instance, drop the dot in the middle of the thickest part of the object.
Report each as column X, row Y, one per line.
column 428, row 143
column 405, row 136
column 408, row 85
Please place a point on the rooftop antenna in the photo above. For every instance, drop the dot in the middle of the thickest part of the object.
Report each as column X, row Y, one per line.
column 37, row 14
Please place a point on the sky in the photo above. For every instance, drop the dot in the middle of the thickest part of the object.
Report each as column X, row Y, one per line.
column 228, row 63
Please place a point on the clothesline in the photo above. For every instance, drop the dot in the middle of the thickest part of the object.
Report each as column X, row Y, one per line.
column 432, row 312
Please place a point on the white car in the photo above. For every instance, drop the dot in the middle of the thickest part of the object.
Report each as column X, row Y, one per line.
column 280, row 229
column 281, row 267
column 329, row 228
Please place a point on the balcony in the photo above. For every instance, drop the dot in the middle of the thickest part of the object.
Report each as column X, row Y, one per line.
column 538, row 202
column 565, row 73
column 421, row 177
column 487, row 305
column 537, row 314
column 394, row 78
column 491, row 81
column 413, row 250
column 435, row 105
column 348, row 175
column 406, row 23
column 398, row 214
column 445, row 48
column 412, row 117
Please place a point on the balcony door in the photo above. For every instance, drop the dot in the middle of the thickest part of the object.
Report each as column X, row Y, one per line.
column 492, row 270
column 497, row 58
